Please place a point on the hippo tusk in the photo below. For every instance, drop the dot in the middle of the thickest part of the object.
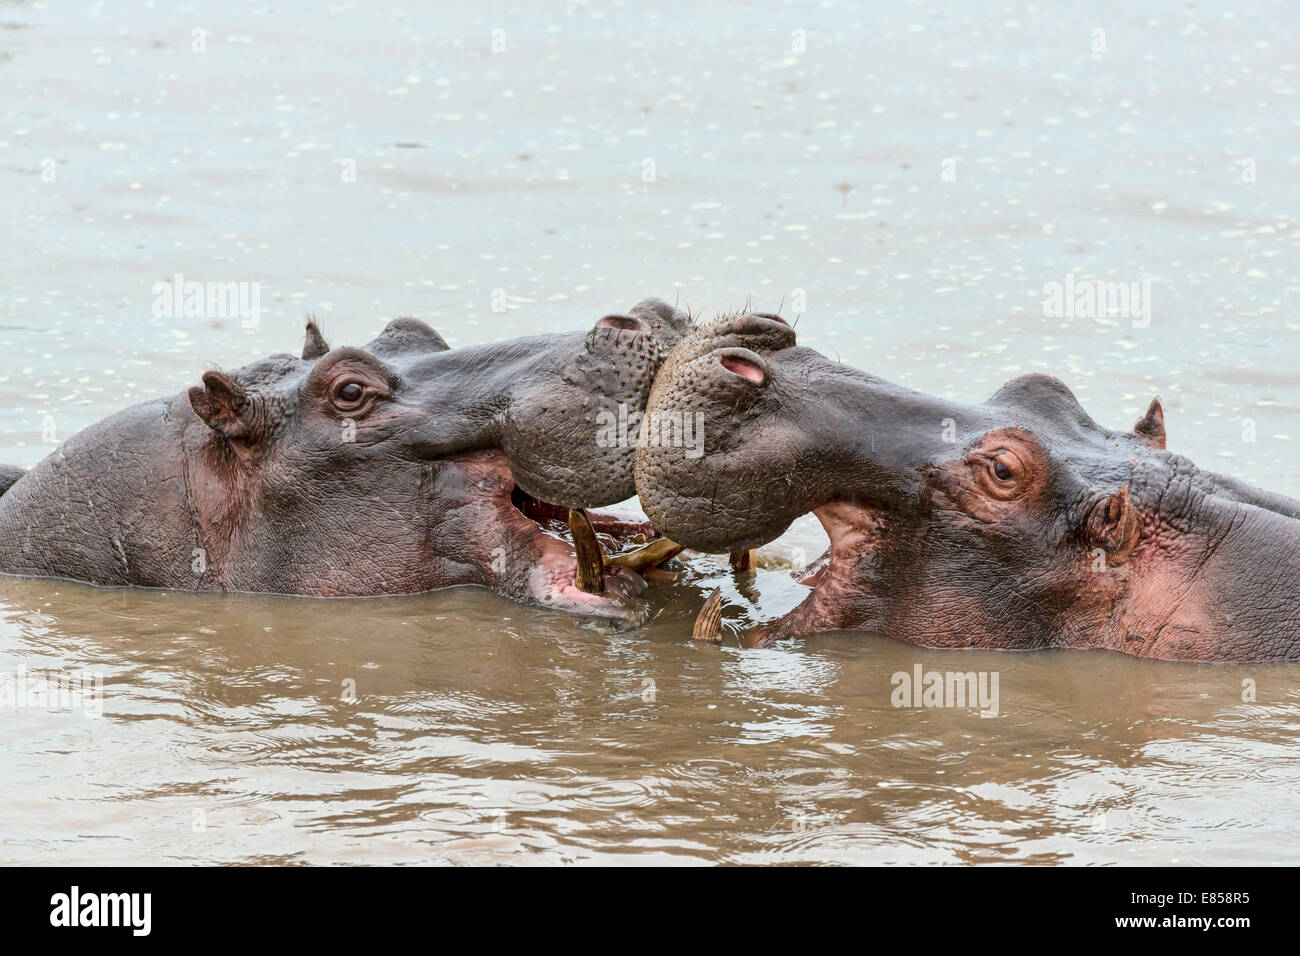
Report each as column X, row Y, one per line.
column 649, row 556
column 708, row 623
column 590, row 574
column 743, row 560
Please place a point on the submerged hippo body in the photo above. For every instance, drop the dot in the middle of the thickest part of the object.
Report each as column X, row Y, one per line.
column 1018, row 523
column 398, row 468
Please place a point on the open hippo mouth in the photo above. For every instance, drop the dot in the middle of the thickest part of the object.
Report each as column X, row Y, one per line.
column 581, row 561
column 1018, row 523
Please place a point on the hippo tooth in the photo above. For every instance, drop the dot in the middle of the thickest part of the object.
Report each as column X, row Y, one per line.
column 708, row 623
column 590, row 572
column 649, row 556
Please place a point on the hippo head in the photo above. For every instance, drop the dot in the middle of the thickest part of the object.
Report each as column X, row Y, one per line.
column 406, row 465
column 1017, row 523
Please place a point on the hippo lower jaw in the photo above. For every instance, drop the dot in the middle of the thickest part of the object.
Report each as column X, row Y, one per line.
column 523, row 550
column 838, row 599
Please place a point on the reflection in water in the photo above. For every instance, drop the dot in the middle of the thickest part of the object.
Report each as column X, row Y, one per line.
column 457, row 726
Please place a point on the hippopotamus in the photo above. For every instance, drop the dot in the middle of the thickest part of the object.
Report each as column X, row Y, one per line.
column 1016, row 523
column 395, row 468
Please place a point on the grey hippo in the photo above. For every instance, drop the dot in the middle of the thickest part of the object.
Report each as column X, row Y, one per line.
column 400, row 467
column 1016, row 523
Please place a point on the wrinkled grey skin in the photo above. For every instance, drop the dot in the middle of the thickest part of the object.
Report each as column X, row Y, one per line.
column 1017, row 523
column 347, row 472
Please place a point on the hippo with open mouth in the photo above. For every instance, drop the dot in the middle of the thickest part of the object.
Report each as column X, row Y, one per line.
column 396, row 468
column 1018, row 523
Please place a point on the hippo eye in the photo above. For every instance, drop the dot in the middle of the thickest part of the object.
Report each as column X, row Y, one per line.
column 1005, row 466
column 1002, row 474
column 349, row 393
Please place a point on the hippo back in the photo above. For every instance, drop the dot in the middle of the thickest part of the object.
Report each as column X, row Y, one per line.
column 109, row 506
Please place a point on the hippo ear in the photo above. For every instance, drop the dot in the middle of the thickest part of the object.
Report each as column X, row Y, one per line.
column 619, row 331
column 1115, row 526
column 1151, row 426
column 622, row 323
column 407, row 334
column 229, row 409
column 315, row 346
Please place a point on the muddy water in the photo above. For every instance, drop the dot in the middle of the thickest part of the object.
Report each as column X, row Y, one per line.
column 907, row 183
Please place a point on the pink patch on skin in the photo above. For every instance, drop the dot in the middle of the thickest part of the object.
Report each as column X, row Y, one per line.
column 551, row 581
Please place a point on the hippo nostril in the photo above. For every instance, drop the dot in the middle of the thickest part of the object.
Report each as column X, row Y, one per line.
column 627, row 323
column 744, row 368
column 771, row 331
